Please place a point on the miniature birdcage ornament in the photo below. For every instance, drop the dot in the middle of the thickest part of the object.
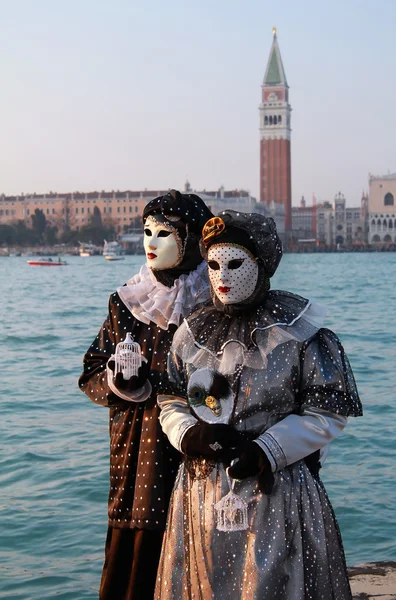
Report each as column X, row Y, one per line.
column 128, row 357
column 231, row 511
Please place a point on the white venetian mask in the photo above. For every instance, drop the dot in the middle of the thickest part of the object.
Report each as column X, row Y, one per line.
column 233, row 272
column 162, row 245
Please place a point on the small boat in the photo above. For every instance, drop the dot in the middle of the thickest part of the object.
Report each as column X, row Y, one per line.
column 87, row 249
column 112, row 251
column 47, row 263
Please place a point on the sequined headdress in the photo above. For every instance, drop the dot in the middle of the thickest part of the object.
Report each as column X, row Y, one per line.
column 252, row 231
column 184, row 215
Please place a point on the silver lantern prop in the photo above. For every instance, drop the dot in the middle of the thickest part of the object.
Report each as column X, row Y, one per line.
column 232, row 510
column 232, row 513
column 128, row 357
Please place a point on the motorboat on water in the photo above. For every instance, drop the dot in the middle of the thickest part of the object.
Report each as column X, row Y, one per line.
column 87, row 249
column 48, row 262
column 112, row 251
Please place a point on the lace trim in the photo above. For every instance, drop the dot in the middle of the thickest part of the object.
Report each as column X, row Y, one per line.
column 284, row 323
column 151, row 301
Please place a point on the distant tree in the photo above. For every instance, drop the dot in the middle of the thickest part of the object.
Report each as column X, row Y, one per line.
column 51, row 234
column 39, row 223
column 96, row 218
column 95, row 235
column 69, row 236
column 24, row 235
column 7, row 234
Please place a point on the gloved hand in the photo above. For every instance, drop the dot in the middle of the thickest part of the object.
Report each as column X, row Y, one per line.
column 210, row 441
column 313, row 463
column 253, row 461
column 132, row 384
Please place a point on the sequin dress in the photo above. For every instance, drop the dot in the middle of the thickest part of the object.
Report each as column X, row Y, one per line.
column 279, row 363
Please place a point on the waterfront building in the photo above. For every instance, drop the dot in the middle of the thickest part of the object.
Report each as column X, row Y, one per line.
column 331, row 224
column 222, row 199
column 74, row 210
column 275, row 137
column 382, row 209
column 303, row 222
column 123, row 210
column 325, row 224
column 349, row 222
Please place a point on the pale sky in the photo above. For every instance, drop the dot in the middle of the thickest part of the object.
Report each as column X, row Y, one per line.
column 133, row 94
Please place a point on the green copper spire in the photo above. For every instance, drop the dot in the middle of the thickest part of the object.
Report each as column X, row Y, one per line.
column 275, row 73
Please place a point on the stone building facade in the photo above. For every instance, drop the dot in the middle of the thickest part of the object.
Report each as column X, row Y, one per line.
column 382, row 209
column 74, row 210
column 303, row 221
column 332, row 224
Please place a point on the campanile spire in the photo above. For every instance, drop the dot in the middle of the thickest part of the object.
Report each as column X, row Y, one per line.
column 275, row 134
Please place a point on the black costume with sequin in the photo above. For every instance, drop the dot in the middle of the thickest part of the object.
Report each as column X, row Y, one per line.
column 143, row 464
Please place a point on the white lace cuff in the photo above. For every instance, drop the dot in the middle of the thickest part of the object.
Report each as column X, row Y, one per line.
column 298, row 436
column 175, row 418
column 139, row 395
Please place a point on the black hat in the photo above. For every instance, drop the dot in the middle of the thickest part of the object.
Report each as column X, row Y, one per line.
column 187, row 213
column 180, row 210
column 252, row 231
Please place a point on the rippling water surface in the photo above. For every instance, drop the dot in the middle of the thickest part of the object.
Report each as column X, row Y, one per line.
column 54, row 442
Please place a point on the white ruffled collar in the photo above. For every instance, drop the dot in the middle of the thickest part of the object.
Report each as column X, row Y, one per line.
column 151, row 301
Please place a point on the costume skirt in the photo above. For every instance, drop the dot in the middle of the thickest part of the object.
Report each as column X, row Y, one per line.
column 130, row 567
column 292, row 549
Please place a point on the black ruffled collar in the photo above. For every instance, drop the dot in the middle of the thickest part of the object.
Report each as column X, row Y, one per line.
column 212, row 328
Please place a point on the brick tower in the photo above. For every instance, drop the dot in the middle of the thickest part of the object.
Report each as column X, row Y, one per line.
column 275, row 134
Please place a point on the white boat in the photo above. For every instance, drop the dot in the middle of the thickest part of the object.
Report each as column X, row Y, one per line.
column 112, row 251
column 88, row 249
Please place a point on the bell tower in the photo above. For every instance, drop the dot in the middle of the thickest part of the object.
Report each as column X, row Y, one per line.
column 275, row 135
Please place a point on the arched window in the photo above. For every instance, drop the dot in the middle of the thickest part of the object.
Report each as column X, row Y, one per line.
column 275, row 120
column 390, row 224
column 379, row 223
column 376, row 238
column 265, row 120
column 387, row 238
column 270, row 120
column 373, row 222
column 388, row 199
column 279, row 119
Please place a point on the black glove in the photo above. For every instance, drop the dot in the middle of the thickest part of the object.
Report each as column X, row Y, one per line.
column 210, row 441
column 313, row 463
column 253, row 461
column 134, row 383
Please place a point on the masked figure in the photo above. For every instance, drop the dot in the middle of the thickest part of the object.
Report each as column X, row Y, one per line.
column 143, row 465
column 261, row 386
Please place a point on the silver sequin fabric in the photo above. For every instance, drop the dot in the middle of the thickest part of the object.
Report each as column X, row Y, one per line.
column 292, row 549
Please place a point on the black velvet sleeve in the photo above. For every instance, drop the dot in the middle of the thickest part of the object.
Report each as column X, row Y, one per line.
column 326, row 378
column 93, row 380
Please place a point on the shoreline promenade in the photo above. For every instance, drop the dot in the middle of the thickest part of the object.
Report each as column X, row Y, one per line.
column 370, row 581
column 72, row 250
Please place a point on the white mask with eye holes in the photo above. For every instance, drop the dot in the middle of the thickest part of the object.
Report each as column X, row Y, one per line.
column 233, row 273
column 163, row 247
